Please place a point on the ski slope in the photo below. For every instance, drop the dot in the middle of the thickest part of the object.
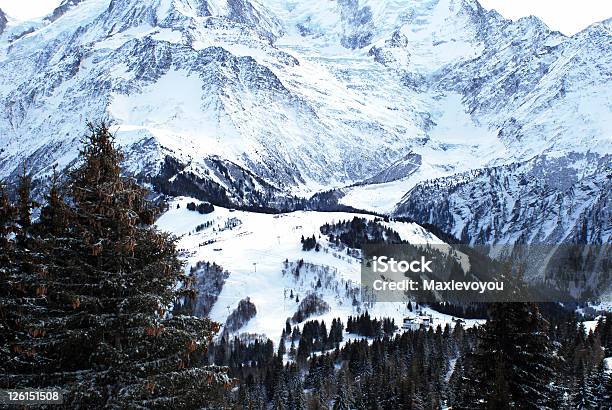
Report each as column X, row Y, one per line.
column 254, row 248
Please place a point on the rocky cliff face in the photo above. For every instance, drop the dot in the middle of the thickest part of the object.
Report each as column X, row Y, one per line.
column 3, row 21
column 544, row 200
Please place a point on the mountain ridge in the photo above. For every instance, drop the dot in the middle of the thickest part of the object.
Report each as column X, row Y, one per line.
column 373, row 98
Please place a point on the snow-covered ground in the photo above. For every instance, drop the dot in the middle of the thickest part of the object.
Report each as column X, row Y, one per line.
column 253, row 247
column 608, row 364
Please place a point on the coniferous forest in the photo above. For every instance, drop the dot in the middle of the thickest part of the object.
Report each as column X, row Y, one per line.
column 518, row 360
column 95, row 302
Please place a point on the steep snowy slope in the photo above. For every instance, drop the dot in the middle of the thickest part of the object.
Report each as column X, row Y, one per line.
column 194, row 79
column 535, row 91
column 553, row 107
column 261, row 251
column 545, row 200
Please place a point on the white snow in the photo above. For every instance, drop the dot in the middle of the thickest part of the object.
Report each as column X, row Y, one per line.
column 608, row 364
column 182, row 104
column 304, row 110
column 254, row 253
column 590, row 325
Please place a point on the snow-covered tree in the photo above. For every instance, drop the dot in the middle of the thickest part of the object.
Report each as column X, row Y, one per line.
column 514, row 359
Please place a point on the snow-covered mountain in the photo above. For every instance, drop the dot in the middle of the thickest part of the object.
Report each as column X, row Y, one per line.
column 193, row 80
column 544, row 200
column 253, row 102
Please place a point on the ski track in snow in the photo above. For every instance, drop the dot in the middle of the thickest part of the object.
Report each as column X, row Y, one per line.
column 254, row 253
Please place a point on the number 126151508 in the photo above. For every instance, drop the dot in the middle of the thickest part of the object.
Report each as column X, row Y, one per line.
column 30, row 396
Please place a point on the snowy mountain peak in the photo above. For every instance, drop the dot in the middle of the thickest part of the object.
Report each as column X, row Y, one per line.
column 181, row 15
column 129, row 13
column 356, row 24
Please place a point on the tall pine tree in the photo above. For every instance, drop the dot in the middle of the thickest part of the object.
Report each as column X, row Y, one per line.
column 90, row 315
column 514, row 360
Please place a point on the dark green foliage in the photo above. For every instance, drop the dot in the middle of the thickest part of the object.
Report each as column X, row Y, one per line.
column 208, row 279
column 359, row 232
column 25, row 203
column 202, row 208
column 315, row 338
column 335, row 332
column 84, row 299
column 364, row 325
column 467, row 311
column 514, row 361
column 310, row 244
column 428, row 368
column 604, row 331
column 244, row 312
column 583, row 391
column 311, row 305
column 344, row 399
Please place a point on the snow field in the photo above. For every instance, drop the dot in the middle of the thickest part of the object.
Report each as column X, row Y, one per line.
column 255, row 251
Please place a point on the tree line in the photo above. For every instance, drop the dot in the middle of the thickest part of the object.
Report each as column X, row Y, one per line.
column 87, row 286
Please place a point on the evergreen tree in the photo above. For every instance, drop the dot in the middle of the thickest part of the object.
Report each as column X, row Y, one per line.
column 344, row 397
column 606, row 392
column 335, row 333
column 281, row 348
column 54, row 215
column 90, row 316
column 602, row 384
column 299, row 401
column 8, row 273
column 582, row 396
column 22, row 285
column 8, row 226
column 25, row 204
column 514, row 359
column 604, row 330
